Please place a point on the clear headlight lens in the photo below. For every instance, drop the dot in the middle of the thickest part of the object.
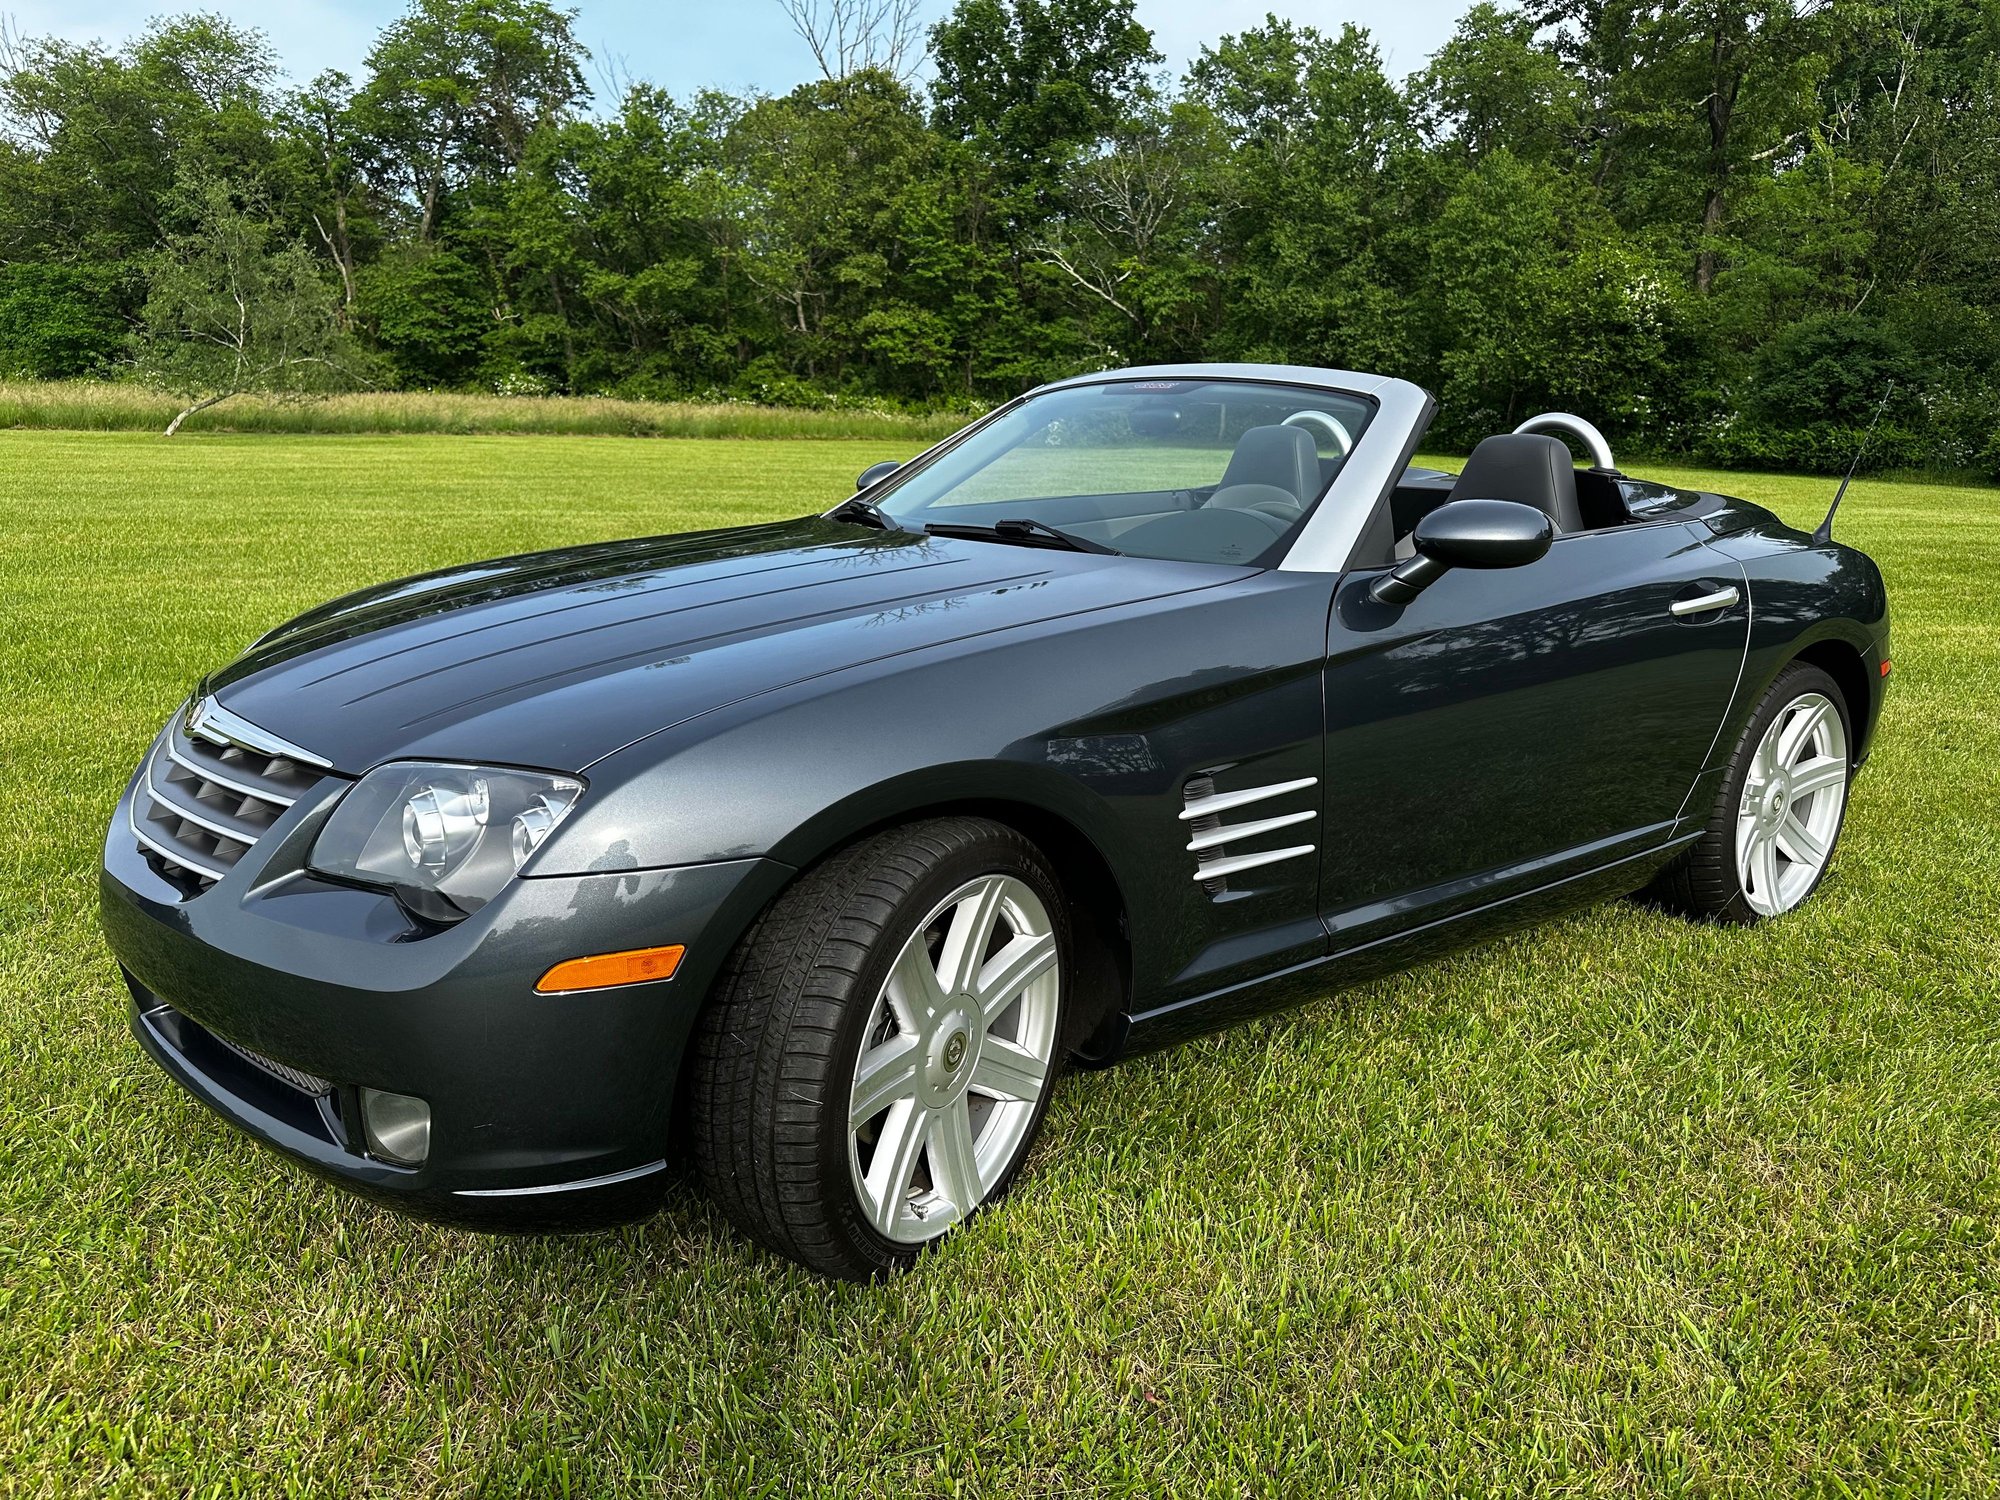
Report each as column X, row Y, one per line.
column 445, row 838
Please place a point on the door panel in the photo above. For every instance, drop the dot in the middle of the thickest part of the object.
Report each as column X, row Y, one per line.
column 1509, row 728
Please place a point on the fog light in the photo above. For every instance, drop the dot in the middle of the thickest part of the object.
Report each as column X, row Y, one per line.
column 398, row 1127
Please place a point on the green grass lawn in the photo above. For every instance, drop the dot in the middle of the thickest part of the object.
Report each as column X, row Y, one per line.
column 1621, row 1205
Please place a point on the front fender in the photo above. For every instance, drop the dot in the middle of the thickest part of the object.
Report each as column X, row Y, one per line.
column 1097, row 721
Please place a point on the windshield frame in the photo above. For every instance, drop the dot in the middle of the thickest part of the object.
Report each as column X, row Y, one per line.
column 1337, row 520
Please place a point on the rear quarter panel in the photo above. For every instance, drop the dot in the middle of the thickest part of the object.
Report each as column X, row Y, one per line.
column 1804, row 593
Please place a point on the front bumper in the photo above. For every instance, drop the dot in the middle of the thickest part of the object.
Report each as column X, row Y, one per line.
column 546, row 1110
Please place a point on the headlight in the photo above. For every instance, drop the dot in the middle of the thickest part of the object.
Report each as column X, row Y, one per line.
column 445, row 838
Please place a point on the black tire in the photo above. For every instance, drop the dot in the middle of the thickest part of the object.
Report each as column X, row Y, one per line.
column 1703, row 880
column 771, row 1065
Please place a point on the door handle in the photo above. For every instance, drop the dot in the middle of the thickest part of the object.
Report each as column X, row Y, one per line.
column 1720, row 599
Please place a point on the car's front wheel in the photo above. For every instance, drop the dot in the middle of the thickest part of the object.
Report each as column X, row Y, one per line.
column 1771, row 834
column 881, row 1048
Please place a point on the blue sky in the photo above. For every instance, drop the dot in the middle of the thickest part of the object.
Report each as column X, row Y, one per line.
column 687, row 44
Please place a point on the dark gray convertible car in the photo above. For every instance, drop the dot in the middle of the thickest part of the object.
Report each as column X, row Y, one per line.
column 815, row 851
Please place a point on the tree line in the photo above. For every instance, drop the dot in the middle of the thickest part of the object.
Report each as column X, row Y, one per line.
column 1723, row 228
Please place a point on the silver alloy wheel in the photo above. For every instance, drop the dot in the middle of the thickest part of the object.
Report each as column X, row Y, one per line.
column 954, row 1061
column 1792, row 799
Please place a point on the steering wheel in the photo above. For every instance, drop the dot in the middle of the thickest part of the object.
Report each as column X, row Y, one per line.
column 1330, row 425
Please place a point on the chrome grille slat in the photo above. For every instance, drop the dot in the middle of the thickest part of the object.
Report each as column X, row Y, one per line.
column 262, row 794
column 215, row 819
column 273, row 778
column 181, row 857
column 213, row 785
column 219, row 726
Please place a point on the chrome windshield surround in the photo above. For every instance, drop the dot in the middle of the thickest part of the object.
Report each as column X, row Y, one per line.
column 1336, row 524
column 1328, row 538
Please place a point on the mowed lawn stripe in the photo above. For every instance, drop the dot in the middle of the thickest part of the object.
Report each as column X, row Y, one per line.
column 1621, row 1204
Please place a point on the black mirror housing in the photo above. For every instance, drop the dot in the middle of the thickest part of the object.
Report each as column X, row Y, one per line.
column 1468, row 534
column 874, row 474
column 1485, row 534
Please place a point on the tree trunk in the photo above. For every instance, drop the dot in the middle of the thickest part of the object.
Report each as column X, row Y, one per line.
column 346, row 248
column 337, row 247
column 1705, row 261
column 202, row 405
column 1726, row 81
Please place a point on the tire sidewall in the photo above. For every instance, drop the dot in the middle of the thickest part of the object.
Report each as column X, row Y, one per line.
column 999, row 853
column 1795, row 682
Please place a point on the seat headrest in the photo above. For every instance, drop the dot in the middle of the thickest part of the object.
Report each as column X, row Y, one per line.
column 1286, row 457
column 1527, row 468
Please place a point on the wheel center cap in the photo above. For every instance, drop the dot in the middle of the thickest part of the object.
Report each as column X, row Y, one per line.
column 950, row 1052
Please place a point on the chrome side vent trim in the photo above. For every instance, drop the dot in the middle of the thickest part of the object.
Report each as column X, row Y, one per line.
column 1212, row 838
column 1222, row 869
column 1221, row 834
column 1215, row 802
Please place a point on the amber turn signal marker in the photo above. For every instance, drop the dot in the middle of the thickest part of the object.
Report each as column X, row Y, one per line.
column 638, row 966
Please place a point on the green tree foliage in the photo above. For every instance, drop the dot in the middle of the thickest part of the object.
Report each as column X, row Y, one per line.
column 228, row 312
column 1320, row 147
column 1034, row 82
column 58, row 321
column 1718, row 227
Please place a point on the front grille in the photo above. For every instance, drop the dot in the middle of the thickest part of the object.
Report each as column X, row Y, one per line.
column 298, row 1078
column 213, row 784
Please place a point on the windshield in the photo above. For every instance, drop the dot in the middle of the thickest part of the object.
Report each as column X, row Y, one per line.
column 1192, row 470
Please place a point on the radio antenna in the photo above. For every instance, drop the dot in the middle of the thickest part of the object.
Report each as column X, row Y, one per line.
column 1825, row 532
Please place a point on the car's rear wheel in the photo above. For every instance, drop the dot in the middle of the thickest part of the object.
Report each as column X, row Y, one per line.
column 1771, row 834
column 880, row 1052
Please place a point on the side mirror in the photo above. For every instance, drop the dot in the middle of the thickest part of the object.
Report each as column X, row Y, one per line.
column 874, row 474
column 1467, row 534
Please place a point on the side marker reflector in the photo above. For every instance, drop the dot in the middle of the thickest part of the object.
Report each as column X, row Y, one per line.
column 604, row 970
column 1885, row 666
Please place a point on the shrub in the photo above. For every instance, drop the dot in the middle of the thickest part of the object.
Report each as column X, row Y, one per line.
column 57, row 321
column 430, row 313
column 1815, row 448
column 1835, row 370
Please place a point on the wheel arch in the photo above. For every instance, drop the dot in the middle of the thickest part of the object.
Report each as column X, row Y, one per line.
column 1052, row 813
column 1844, row 663
column 1100, row 924
column 1100, row 921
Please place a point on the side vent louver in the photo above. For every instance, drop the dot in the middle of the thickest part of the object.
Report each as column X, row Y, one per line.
column 1218, row 846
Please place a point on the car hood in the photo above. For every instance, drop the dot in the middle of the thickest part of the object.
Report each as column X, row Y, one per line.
column 556, row 659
